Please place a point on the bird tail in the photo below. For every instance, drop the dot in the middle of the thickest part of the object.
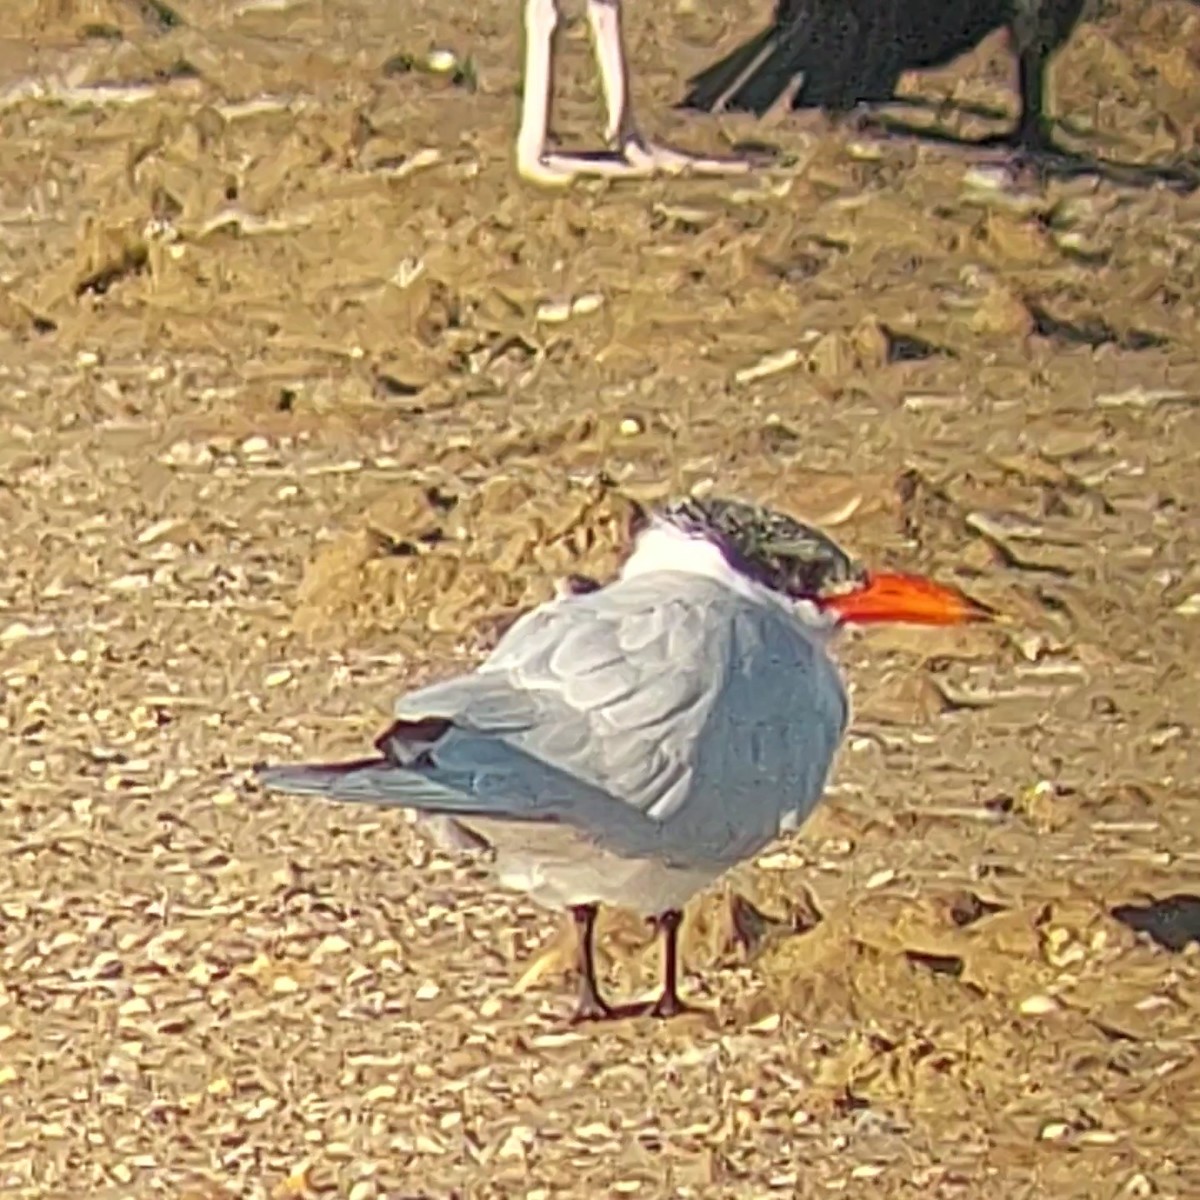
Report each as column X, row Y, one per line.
column 363, row 781
column 711, row 89
column 520, row 788
column 819, row 50
column 502, row 783
column 839, row 54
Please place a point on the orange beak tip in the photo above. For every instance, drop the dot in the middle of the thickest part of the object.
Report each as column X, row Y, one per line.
column 910, row 599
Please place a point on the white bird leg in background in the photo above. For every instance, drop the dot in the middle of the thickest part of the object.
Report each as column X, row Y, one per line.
column 634, row 156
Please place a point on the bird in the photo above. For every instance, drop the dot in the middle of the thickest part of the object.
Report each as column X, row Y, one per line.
column 630, row 153
column 841, row 54
column 627, row 743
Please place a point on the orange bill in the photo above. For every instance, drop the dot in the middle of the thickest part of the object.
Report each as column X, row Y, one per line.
column 911, row 599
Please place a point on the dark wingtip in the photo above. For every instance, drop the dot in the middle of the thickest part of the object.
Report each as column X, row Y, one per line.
column 576, row 584
column 639, row 518
column 423, row 731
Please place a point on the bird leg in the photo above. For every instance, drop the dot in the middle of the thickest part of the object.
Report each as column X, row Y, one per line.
column 591, row 1006
column 1034, row 133
column 668, row 1003
column 634, row 156
column 641, row 156
column 533, row 162
column 1029, row 147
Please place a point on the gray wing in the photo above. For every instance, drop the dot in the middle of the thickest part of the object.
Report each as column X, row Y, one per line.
column 664, row 715
column 715, row 717
column 610, row 687
column 768, row 743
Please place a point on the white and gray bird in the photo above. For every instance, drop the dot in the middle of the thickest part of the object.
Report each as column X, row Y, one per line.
column 628, row 744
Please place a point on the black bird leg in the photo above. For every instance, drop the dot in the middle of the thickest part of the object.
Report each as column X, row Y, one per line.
column 1034, row 128
column 1029, row 147
column 591, row 1006
column 668, row 1003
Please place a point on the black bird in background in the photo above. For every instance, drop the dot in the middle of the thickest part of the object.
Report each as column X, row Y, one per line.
column 843, row 53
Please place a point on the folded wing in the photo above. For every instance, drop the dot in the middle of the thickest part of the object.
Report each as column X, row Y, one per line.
column 663, row 715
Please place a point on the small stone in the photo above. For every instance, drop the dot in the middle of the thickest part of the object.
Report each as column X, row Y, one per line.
column 781, row 860
column 768, row 1024
column 516, row 1142
column 332, row 944
column 586, row 304
column 594, row 1131
column 262, row 1108
column 552, row 1041
column 130, row 583
column 1099, row 1137
column 296, row 1183
column 553, row 312
column 201, row 974
column 934, row 402
column 1038, row 1006
column 1054, row 1131
column 770, row 364
column 867, row 1171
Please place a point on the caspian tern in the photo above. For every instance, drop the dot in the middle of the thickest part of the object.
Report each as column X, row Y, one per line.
column 627, row 744
column 631, row 154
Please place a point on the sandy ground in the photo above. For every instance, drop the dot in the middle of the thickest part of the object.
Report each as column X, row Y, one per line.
column 298, row 384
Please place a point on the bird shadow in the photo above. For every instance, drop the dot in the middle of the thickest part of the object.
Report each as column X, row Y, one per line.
column 1058, row 163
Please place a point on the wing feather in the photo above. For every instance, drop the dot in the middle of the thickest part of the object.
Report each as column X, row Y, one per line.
column 666, row 714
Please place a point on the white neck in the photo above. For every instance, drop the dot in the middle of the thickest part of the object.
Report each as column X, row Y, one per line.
column 662, row 547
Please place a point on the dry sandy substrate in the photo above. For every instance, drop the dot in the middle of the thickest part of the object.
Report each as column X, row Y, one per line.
column 298, row 386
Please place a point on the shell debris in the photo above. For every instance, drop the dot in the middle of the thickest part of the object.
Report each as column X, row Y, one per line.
column 304, row 397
